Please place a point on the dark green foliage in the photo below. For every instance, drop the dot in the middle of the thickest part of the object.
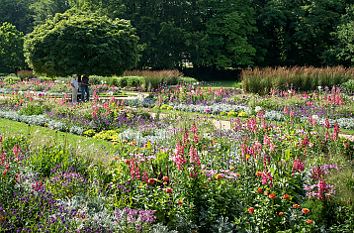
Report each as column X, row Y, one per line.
column 209, row 33
column 43, row 9
column 11, row 49
column 296, row 32
column 17, row 12
column 344, row 48
column 216, row 34
column 79, row 43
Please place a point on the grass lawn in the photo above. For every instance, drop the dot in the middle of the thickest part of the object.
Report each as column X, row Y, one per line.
column 39, row 136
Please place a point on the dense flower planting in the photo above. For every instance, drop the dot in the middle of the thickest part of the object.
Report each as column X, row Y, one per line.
column 273, row 170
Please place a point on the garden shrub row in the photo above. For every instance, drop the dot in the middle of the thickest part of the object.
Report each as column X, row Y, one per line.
column 143, row 79
column 262, row 81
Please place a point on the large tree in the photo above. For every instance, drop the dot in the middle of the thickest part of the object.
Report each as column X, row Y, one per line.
column 17, row 12
column 82, row 43
column 227, row 29
column 44, row 9
column 11, row 49
column 207, row 33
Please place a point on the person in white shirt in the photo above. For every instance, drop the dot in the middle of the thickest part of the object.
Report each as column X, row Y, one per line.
column 74, row 86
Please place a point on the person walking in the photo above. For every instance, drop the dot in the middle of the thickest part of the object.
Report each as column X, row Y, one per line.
column 74, row 87
column 85, row 95
column 79, row 80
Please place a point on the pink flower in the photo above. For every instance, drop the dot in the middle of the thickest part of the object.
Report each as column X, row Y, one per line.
column 309, row 103
column 3, row 158
column 257, row 147
column 145, row 177
column 16, row 150
column 194, row 128
column 185, row 138
column 286, row 110
column 305, row 141
column 298, row 166
column 38, row 186
column 193, row 156
column 243, row 149
column 178, row 156
column 267, row 178
column 252, row 124
column 134, row 169
column 327, row 124
column 322, row 188
column 335, row 132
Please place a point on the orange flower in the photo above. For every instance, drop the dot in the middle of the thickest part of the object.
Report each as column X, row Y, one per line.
column 296, row 206
column 219, row 176
column 258, row 173
column 165, row 179
column 180, row 202
column 260, row 190
column 286, row 196
column 250, row 210
column 305, row 211
column 309, row 221
column 280, row 214
column 272, row 196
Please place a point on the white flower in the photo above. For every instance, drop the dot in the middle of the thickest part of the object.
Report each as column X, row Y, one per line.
column 315, row 117
column 258, row 108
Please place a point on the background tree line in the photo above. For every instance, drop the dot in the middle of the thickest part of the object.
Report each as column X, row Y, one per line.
column 217, row 34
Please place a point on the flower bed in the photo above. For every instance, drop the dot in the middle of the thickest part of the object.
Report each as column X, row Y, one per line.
column 271, row 171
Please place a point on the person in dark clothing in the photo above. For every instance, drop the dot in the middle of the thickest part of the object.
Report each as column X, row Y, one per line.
column 85, row 95
column 79, row 96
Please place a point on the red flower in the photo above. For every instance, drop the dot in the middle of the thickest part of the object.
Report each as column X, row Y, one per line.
column 4, row 172
column 250, row 210
column 298, row 166
column 272, row 196
column 286, row 196
column 151, row 181
column 168, row 190
column 260, row 190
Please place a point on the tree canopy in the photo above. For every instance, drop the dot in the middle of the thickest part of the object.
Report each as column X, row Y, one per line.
column 217, row 34
column 75, row 43
column 11, row 49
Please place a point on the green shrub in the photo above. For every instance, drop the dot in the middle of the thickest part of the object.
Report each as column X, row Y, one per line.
column 348, row 86
column 135, row 81
column 32, row 109
column 11, row 80
column 123, row 82
column 187, row 80
column 262, row 81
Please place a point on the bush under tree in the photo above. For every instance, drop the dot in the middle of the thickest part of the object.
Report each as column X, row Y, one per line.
column 82, row 43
